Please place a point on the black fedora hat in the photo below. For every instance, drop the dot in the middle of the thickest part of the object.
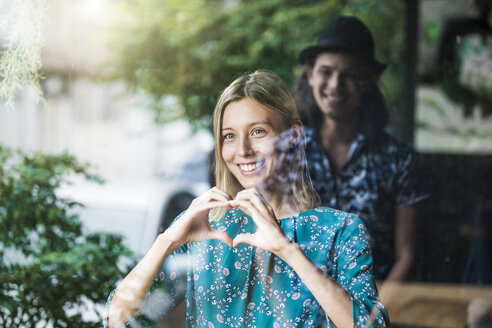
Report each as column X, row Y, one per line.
column 345, row 34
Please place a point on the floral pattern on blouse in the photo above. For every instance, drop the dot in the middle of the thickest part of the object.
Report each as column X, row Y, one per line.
column 380, row 175
column 249, row 287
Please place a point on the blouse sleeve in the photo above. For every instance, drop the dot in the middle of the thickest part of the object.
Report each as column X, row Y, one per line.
column 167, row 291
column 355, row 275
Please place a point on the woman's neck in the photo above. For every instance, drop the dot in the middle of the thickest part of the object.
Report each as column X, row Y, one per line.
column 282, row 208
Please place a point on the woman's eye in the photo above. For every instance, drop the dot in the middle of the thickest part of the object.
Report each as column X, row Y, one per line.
column 228, row 136
column 258, row 132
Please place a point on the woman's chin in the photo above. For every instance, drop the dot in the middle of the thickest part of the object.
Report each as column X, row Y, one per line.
column 251, row 182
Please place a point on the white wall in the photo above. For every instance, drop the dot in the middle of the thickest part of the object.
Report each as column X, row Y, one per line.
column 104, row 124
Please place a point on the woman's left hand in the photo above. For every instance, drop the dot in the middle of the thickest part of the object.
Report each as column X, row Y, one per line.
column 268, row 236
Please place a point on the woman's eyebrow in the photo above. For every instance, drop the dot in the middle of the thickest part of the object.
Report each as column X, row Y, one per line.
column 250, row 124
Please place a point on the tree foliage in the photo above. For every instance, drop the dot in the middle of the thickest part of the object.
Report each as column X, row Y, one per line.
column 194, row 48
column 21, row 30
column 49, row 268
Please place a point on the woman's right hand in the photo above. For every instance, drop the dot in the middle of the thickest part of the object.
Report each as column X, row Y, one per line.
column 194, row 224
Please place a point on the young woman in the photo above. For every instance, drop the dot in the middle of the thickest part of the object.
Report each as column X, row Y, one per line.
column 255, row 251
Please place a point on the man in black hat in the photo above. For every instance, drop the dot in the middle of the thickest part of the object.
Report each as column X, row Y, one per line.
column 356, row 166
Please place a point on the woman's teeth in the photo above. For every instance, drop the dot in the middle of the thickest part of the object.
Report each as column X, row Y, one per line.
column 250, row 167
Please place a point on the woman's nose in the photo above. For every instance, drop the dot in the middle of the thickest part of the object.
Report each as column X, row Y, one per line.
column 245, row 147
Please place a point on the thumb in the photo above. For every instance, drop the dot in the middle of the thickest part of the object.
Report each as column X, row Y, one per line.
column 243, row 238
column 222, row 236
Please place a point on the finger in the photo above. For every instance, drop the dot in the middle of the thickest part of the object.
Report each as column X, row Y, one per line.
column 259, row 195
column 256, row 199
column 235, row 203
column 264, row 219
column 220, row 192
column 263, row 207
column 222, row 236
column 261, row 220
column 243, row 204
column 249, row 194
column 244, row 238
column 206, row 205
column 245, row 194
column 213, row 195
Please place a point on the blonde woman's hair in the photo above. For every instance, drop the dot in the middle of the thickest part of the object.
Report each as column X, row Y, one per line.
column 269, row 90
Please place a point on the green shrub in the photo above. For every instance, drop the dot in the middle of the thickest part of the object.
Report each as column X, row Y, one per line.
column 49, row 269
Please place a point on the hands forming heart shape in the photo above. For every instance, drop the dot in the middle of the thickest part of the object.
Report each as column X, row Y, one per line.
column 194, row 224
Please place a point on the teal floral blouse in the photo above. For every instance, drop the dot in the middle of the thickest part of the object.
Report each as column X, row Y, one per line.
column 250, row 287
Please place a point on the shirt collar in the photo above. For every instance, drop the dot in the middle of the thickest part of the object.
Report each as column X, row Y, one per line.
column 312, row 136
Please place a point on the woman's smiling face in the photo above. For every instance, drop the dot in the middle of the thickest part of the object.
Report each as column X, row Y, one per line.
column 248, row 134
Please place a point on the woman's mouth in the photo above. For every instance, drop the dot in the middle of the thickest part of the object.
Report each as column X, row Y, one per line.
column 250, row 167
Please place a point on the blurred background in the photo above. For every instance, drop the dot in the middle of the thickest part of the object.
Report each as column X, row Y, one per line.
column 122, row 90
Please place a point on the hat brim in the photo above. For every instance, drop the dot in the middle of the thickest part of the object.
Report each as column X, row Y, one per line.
column 308, row 54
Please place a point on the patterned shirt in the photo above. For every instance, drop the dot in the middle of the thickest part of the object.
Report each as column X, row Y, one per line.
column 250, row 287
column 380, row 175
